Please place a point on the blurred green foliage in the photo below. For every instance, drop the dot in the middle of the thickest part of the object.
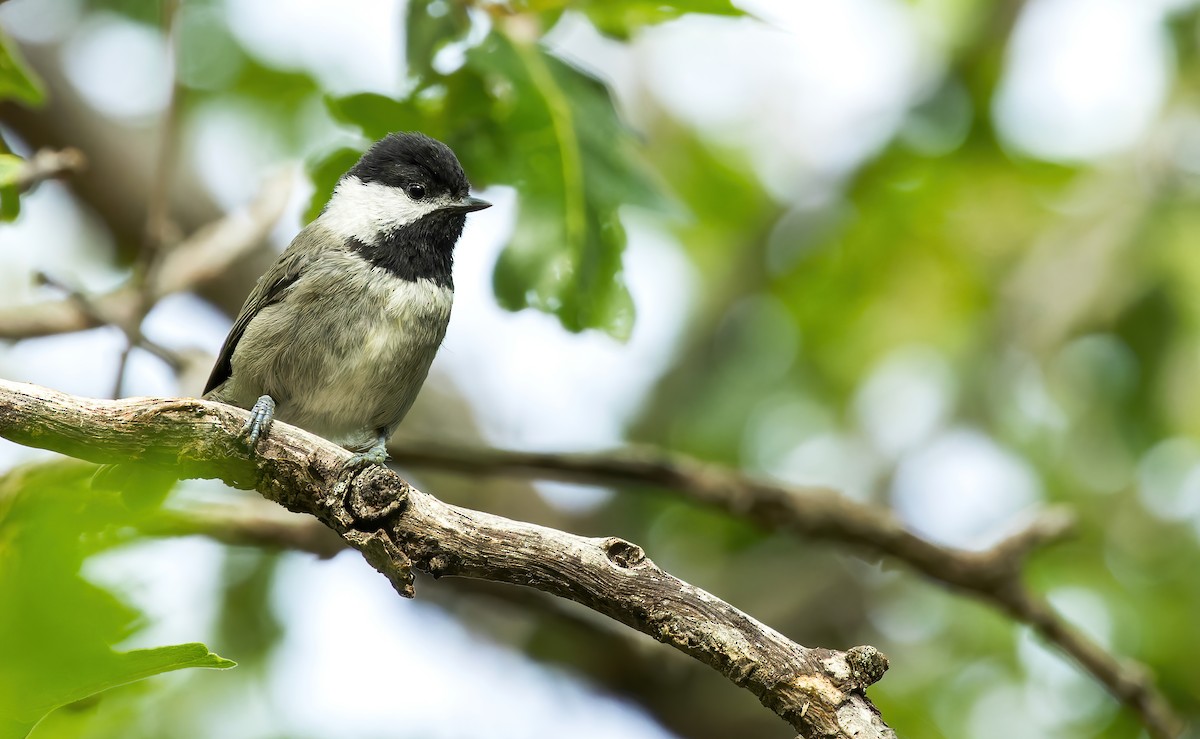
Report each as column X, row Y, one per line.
column 57, row 630
column 623, row 18
column 19, row 83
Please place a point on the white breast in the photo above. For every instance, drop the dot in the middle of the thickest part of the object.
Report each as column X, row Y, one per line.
column 392, row 339
column 409, row 326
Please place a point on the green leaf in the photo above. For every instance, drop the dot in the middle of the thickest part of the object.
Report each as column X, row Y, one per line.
column 139, row 11
column 10, row 203
column 17, row 80
column 574, row 166
column 376, row 115
column 10, row 196
column 430, row 26
column 30, row 706
column 10, row 169
column 621, row 18
column 57, row 630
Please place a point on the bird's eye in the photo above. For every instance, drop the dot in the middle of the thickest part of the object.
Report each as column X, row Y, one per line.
column 415, row 191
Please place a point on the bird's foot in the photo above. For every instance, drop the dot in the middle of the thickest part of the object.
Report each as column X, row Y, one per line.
column 261, row 417
column 376, row 455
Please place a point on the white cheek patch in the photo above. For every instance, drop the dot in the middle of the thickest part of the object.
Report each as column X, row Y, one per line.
column 362, row 209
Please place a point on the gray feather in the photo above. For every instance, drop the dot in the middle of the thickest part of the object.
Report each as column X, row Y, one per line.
column 341, row 345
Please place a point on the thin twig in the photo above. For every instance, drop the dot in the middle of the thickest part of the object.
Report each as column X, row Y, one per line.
column 994, row 576
column 122, row 365
column 98, row 312
column 48, row 164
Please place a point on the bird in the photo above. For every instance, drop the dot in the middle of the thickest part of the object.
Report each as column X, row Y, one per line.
column 338, row 335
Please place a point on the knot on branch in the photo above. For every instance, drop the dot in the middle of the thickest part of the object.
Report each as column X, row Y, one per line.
column 376, row 495
column 867, row 665
column 855, row 669
column 622, row 553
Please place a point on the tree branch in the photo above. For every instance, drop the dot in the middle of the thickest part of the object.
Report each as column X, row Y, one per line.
column 993, row 576
column 398, row 528
column 241, row 526
column 200, row 258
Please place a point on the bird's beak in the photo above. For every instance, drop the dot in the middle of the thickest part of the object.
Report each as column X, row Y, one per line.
column 468, row 205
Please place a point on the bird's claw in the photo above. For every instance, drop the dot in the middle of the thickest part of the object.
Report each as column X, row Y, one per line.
column 261, row 417
column 376, row 455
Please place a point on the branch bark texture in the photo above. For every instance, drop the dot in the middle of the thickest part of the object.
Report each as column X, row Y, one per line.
column 398, row 528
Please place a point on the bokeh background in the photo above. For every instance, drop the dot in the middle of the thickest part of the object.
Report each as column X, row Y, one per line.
column 941, row 255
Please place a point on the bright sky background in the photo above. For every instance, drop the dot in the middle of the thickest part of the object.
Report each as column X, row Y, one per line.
column 809, row 95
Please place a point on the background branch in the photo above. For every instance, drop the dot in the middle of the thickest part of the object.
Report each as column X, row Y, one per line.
column 155, row 234
column 202, row 257
column 398, row 528
column 241, row 526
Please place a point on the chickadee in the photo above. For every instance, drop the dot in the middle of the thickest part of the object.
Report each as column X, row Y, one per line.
column 338, row 335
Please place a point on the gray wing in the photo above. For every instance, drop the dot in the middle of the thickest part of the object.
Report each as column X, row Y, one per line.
column 270, row 289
